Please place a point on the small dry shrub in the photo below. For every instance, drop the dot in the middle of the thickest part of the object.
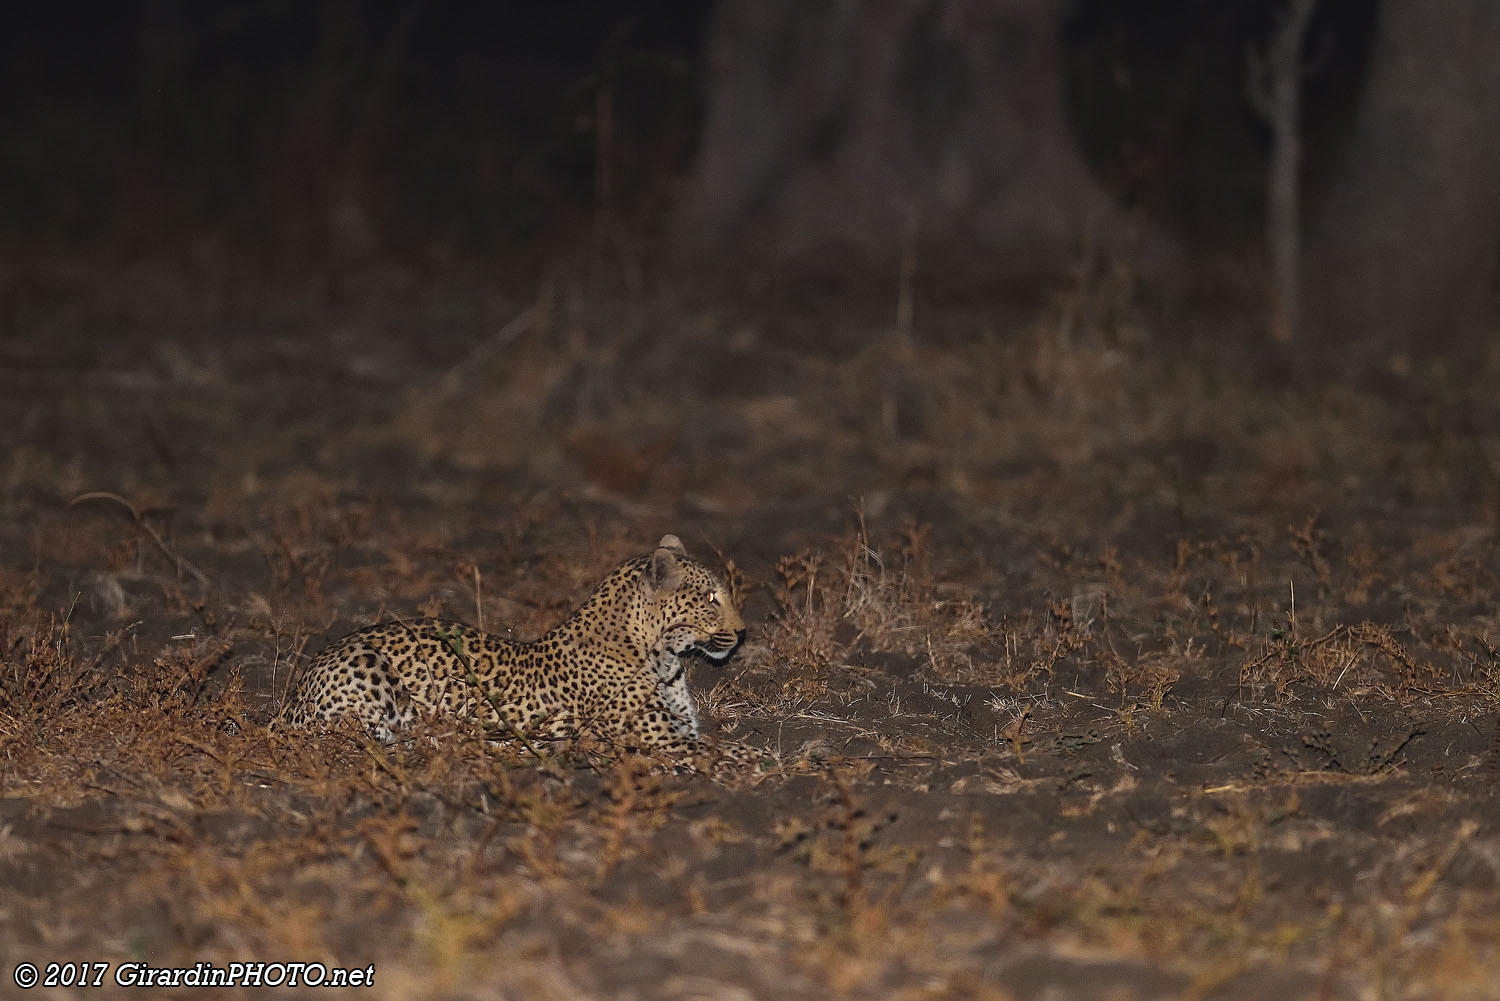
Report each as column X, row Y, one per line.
column 1363, row 655
column 40, row 675
column 876, row 598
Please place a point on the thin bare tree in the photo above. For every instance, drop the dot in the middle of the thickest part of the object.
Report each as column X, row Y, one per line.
column 1275, row 91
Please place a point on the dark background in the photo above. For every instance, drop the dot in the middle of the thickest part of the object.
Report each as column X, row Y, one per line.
column 288, row 139
column 466, row 126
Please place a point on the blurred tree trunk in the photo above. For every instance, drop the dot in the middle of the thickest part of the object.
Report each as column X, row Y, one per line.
column 1403, row 247
column 889, row 131
column 900, row 138
column 1275, row 88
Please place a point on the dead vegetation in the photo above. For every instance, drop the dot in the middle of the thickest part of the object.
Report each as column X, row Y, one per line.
column 1079, row 664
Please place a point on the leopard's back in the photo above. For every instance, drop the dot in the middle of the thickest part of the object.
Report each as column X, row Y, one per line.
column 388, row 673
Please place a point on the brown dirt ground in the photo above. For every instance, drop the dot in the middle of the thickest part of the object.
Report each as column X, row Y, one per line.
column 1090, row 667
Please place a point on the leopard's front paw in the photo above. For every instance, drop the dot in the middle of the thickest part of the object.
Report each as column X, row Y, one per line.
column 730, row 758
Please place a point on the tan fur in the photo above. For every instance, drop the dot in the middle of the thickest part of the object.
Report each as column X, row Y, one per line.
column 612, row 669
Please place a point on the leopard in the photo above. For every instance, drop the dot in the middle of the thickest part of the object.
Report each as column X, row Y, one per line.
column 614, row 669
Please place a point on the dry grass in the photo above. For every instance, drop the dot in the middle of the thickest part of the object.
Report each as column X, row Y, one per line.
column 1079, row 663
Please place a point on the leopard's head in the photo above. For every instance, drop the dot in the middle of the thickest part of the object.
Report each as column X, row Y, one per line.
column 694, row 608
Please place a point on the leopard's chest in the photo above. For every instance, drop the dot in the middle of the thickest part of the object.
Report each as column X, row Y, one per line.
column 671, row 686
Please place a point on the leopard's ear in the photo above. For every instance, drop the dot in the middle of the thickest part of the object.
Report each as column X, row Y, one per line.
column 666, row 572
